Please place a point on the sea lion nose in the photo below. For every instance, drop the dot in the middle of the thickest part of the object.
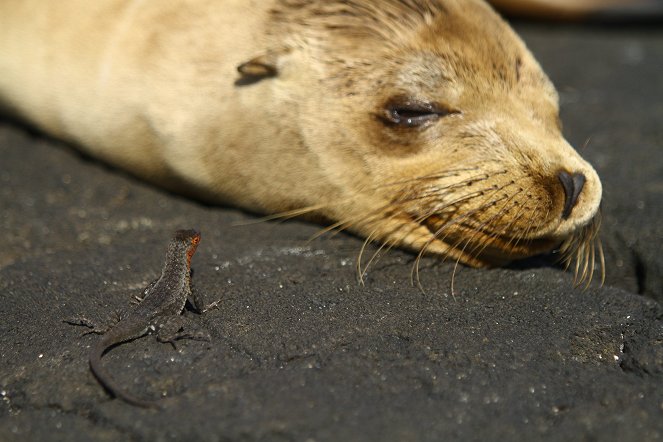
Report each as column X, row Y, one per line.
column 572, row 184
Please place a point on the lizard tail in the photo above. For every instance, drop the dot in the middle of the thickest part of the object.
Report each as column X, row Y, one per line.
column 106, row 380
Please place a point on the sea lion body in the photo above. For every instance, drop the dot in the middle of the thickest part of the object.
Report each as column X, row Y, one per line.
column 425, row 124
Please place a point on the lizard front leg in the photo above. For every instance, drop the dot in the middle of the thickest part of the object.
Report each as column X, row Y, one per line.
column 95, row 327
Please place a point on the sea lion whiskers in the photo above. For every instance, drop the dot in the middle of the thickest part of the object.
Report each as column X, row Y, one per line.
column 530, row 226
column 495, row 236
column 290, row 214
column 492, row 221
column 489, row 223
column 581, row 249
column 378, row 213
column 602, row 261
column 390, row 243
column 474, row 252
column 455, row 269
column 516, row 218
column 478, row 193
column 478, row 230
column 588, row 255
column 596, row 243
column 436, row 191
column 360, row 273
column 307, row 210
column 523, row 235
column 396, row 209
column 586, row 260
column 282, row 216
column 436, row 235
column 494, row 189
column 581, row 264
column 400, row 204
column 414, row 274
column 581, row 260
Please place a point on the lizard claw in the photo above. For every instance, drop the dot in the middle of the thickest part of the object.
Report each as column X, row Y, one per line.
column 79, row 321
column 213, row 306
column 178, row 327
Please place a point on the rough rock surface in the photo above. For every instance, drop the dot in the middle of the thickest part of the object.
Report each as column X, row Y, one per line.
column 300, row 350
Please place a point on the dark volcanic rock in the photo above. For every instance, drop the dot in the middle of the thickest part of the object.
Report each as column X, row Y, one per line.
column 299, row 349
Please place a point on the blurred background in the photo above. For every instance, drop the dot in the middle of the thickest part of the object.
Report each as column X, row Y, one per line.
column 577, row 10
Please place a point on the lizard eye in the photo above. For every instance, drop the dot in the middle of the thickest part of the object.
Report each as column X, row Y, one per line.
column 412, row 113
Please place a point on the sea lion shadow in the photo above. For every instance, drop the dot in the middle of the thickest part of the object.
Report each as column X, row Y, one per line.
column 248, row 80
column 548, row 260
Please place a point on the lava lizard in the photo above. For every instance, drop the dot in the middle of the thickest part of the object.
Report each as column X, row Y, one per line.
column 158, row 310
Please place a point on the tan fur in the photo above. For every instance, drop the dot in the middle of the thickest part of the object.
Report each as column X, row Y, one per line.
column 152, row 86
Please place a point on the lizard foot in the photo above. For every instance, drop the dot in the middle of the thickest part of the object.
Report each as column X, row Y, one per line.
column 200, row 304
column 210, row 306
column 95, row 327
column 81, row 321
column 137, row 299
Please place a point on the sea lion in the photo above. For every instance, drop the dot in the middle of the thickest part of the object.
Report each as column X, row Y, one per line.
column 424, row 124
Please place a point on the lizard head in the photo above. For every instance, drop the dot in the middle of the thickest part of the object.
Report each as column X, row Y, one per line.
column 188, row 239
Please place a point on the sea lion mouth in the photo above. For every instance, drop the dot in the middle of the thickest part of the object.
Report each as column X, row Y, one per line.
column 482, row 247
column 581, row 250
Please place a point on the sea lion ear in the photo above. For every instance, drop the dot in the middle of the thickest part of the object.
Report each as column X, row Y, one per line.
column 262, row 66
column 259, row 67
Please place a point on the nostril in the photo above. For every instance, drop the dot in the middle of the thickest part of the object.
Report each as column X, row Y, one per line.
column 573, row 185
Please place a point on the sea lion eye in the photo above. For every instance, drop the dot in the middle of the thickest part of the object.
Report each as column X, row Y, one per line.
column 412, row 113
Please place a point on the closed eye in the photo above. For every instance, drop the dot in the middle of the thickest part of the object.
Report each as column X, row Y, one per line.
column 412, row 113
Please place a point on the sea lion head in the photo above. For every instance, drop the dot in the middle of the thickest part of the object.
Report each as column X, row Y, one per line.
column 433, row 128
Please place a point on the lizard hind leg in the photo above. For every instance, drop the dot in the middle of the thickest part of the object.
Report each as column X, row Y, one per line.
column 179, row 327
column 137, row 299
column 199, row 301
